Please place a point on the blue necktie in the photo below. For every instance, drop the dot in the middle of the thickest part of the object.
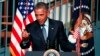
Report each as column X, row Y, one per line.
column 44, row 32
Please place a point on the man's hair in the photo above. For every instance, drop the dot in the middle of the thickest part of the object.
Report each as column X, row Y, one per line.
column 40, row 5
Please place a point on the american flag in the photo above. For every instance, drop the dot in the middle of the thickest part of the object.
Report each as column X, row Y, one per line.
column 24, row 15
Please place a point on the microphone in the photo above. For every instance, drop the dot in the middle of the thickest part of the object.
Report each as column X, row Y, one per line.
column 56, row 44
column 48, row 44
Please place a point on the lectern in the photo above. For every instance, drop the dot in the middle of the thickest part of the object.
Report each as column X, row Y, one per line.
column 40, row 53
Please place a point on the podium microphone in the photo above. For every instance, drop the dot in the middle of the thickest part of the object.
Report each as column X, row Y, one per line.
column 48, row 44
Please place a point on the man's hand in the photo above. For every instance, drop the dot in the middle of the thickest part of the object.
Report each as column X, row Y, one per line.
column 25, row 34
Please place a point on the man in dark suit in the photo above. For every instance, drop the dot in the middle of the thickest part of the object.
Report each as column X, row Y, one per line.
column 54, row 29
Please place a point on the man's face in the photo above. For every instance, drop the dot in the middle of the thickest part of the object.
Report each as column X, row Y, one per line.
column 41, row 15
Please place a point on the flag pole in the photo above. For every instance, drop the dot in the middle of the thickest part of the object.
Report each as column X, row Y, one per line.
column 79, row 20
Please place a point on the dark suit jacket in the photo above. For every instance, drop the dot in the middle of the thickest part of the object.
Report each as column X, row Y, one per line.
column 56, row 36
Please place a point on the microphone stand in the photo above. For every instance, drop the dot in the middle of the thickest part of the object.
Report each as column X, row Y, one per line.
column 48, row 44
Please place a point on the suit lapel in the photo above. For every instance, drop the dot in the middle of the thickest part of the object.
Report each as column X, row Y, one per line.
column 39, row 33
column 51, row 30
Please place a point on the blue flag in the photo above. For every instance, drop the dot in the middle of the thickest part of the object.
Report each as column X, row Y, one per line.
column 82, row 5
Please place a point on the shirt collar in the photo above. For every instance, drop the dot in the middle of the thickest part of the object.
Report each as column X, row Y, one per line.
column 46, row 22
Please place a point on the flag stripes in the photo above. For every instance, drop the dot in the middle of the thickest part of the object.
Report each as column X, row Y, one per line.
column 24, row 15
